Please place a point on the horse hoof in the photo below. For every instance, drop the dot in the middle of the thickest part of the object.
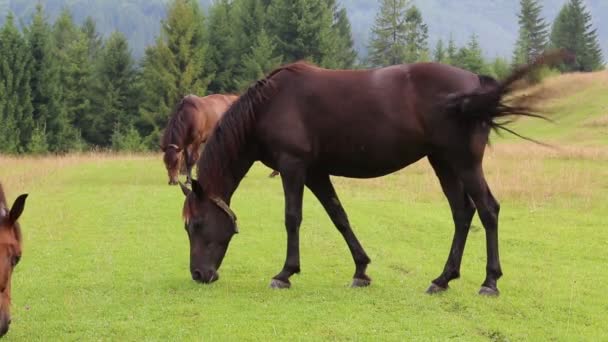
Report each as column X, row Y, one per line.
column 488, row 291
column 434, row 288
column 358, row 282
column 279, row 284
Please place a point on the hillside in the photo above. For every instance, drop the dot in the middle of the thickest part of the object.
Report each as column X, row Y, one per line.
column 493, row 20
column 578, row 105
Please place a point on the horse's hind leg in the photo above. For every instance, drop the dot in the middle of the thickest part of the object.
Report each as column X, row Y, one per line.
column 321, row 186
column 462, row 213
column 488, row 208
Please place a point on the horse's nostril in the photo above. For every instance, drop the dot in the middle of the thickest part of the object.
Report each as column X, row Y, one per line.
column 197, row 275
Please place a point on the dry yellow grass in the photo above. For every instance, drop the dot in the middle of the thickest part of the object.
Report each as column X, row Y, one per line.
column 16, row 172
column 523, row 172
column 567, row 85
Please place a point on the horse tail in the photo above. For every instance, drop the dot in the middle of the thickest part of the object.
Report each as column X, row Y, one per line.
column 487, row 104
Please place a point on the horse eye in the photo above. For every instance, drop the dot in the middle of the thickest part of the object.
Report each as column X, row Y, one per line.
column 15, row 260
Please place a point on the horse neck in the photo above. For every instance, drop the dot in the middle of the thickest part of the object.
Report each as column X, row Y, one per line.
column 178, row 131
column 224, row 184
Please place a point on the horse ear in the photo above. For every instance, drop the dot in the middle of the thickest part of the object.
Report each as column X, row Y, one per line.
column 162, row 148
column 185, row 189
column 197, row 189
column 17, row 208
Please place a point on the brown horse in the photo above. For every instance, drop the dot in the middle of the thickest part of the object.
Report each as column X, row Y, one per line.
column 309, row 123
column 10, row 253
column 189, row 127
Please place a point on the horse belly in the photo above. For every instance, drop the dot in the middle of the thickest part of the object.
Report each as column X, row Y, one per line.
column 365, row 160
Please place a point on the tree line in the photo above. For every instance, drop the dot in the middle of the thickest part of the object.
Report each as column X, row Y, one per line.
column 399, row 35
column 65, row 88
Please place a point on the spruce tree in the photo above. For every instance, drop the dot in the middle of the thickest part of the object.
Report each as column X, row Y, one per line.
column 222, row 57
column 115, row 96
column 78, row 78
column 16, row 121
column 417, row 33
column 532, row 38
column 452, row 51
column 500, row 68
column 389, row 33
column 470, row 57
column 345, row 49
column 89, row 28
column 259, row 61
column 255, row 49
column 303, row 31
column 440, row 53
column 573, row 30
column 175, row 66
column 71, row 56
column 45, row 85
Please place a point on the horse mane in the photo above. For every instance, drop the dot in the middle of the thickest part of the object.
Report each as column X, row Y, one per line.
column 176, row 126
column 230, row 135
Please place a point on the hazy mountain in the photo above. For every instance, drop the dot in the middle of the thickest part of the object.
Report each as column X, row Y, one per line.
column 494, row 21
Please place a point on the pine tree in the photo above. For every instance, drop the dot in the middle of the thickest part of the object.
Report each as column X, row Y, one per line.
column 573, row 30
column 71, row 56
column 115, row 96
column 248, row 18
column 452, row 51
column 89, row 28
column 16, row 121
column 417, row 33
column 470, row 57
column 259, row 61
column 256, row 48
column 78, row 78
column 532, row 38
column 45, row 85
column 500, row 68
column 175, row 66
column 345, row 49
column 440, row 54
column 389, row 33
column 222, row 57
column 303, row 31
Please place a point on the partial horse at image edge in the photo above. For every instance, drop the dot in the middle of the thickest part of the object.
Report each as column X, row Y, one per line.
column 10, row 253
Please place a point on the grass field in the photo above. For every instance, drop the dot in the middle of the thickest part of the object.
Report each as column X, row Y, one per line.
column 106, row 257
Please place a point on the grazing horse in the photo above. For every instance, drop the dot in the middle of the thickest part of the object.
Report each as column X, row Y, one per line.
column 10, row 253
column 189, row 127
column 309, row 123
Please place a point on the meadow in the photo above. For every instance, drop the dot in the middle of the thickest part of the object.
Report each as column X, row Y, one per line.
column 106, row 255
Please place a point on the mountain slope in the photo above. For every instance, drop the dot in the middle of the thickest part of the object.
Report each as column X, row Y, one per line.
column 578, row 106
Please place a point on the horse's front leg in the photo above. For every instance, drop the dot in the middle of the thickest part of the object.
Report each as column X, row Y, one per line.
column 293, row 185
column 192, row 156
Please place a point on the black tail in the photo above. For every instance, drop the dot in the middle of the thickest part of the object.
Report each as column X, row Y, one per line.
column 487, row 103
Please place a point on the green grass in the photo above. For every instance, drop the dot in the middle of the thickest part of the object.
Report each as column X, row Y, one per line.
column 106, row 257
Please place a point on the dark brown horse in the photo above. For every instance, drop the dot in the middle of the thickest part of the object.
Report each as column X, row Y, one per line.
column 309, row 123
column 189, row 127
column 10, row 253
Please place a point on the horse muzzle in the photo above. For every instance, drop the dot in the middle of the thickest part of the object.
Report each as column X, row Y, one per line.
column 5, row 323
column 205, row 276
